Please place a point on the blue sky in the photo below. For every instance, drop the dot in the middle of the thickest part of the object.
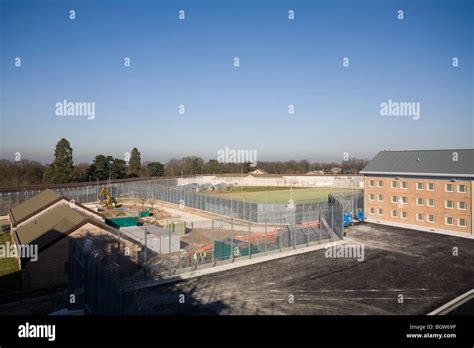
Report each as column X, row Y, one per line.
column 190, row 62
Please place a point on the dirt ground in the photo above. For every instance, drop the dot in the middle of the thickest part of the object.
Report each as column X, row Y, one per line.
column 403, row 272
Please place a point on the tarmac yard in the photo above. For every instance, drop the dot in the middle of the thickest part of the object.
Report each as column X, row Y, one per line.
column 403, row 272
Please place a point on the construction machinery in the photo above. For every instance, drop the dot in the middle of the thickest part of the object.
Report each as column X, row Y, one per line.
column 350, row 220
column 106, row 199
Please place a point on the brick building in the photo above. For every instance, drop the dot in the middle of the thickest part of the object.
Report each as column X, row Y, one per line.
column 50, row 221
column 425, row 190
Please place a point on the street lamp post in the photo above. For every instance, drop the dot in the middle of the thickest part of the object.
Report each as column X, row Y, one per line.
column 110, row 173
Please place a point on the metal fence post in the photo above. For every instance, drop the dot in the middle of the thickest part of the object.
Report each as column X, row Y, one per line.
column 232, row 239
column 250, row 251
column 213, row 242
column 169, row 237
column 144, row 262
column 294, row 237
column 280, row 231
column 265, row 236
column 332, row 216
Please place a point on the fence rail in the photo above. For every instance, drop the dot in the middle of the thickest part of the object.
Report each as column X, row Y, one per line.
column 102, row 286
column 294, row 213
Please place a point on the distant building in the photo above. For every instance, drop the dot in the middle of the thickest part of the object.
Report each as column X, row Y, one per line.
column 336, row 170
column 315, row 172
column 429, row 190
column 258, row 171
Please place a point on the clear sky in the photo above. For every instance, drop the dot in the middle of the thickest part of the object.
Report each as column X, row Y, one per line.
column 190, row 62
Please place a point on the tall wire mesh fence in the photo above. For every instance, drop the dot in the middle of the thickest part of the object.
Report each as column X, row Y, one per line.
column 243, row 230
column 292, row 213
column 246, row 230
column 82, row 193
column 101, row 284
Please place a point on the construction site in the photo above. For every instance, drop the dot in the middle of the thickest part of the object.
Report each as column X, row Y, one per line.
column 177, row 229
column 200, row 230
column 199, row 237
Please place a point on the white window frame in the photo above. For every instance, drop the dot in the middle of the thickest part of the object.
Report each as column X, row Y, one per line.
column 446, row 205
column 446, row 187
column 428, row 219
column 378, row 198
column 371, row 197
column 446, row 220
column 394, row 183
column 422, row 186
column 396, row 199
column 371, row 210
column 421, row 201
column 459, row 205
column 417, row 217
column 401, row 185
column 371, row 182
column 378, row 212
column 465, row 188
column 406, row 215
column 394, row 215
column 428, row 186
column 465, row 222
column 380, row 182
column 404, row 199
column 428, row 202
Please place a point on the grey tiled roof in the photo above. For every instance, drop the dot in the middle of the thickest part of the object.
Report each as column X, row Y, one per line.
column 427, row 162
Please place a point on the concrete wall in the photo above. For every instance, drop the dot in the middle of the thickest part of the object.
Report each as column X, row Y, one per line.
column 336, row 181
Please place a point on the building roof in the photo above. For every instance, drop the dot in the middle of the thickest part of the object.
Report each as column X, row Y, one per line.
column 32, row 205
column 36, row 204
column 53, row 225
column 138, row 232
column 423, row 162
column 258, row 171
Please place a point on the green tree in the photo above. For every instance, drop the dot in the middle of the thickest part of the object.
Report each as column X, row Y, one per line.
column 118, row 170
column 135, row 164
column 80, row 172
column 99, row 169
column 213, row 167
column 155, row 169
column 61, row 170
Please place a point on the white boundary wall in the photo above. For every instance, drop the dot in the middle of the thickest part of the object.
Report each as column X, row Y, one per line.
column 335, row 181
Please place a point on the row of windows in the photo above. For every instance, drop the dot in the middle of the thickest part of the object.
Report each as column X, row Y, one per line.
column 461, row 188
column 420, row 217
column 419, row 201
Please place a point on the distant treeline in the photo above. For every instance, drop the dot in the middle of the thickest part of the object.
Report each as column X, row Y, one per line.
column 63, row 170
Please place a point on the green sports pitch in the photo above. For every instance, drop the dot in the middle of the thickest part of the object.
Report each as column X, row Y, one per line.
column 262, row 194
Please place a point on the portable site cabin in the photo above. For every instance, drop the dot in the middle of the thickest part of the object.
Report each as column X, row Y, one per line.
column 157, row 239
column 175, row 225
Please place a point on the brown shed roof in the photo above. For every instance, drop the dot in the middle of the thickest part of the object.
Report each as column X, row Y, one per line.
column 36, row 204
column 32, row 205
column 54, row 224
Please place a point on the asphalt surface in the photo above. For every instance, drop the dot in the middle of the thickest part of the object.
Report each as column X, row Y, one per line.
column 404, row 272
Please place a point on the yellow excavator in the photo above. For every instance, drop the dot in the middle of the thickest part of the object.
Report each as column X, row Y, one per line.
column 106, row 199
